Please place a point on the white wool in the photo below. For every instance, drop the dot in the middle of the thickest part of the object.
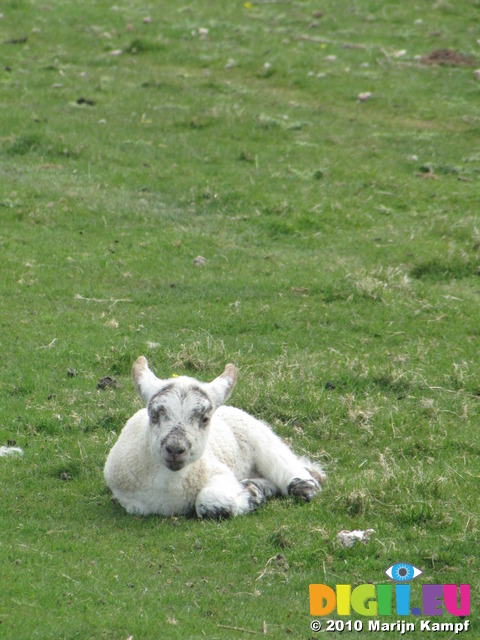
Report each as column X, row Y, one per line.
column 187, row 453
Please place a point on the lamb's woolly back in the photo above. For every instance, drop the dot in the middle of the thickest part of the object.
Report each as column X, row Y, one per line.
column 186, row 453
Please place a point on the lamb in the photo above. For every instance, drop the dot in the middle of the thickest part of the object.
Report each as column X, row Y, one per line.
column 186, row 453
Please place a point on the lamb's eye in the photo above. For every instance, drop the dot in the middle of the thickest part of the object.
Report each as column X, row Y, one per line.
column 157, row 413
column 204, row 420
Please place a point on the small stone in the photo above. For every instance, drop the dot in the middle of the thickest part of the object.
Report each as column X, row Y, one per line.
column 200, row 261
column 10, row 451
column 363, row 97
column 348, row 538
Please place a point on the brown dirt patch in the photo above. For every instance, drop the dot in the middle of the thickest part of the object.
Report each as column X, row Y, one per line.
column 449, row 57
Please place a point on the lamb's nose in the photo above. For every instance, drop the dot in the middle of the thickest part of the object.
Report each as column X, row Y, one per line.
column 175, row 450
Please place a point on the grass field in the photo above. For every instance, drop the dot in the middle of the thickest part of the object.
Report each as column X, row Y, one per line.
column 342, row 243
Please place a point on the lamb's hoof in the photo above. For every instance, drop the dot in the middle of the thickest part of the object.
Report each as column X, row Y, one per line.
column 304, row 490
column 214, row 512
column 259, row 490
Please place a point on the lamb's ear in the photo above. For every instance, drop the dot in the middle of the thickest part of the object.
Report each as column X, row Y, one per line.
column 221, row 388
column 145, row 381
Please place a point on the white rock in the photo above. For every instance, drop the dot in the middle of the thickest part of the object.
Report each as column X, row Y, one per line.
column 348, row 538
column 363, row 97
column 200, row 261
column 10, row 451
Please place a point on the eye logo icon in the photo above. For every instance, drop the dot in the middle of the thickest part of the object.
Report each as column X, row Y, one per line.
column 403, row 572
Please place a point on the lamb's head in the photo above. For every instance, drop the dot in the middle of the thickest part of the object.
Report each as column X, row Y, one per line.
column 179, row 411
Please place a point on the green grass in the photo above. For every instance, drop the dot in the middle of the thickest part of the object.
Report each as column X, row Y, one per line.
column 342, row 244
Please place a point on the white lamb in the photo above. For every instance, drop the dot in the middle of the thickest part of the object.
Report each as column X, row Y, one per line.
column 186, row 453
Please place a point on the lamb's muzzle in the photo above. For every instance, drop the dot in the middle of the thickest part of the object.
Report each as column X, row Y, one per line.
column 175, row 449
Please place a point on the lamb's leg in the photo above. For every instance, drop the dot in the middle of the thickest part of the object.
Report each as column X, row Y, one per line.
column 304, row 490
column 276, row 462
column 225, row 496
column 260, row 490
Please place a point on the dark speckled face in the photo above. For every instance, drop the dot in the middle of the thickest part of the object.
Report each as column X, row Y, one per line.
column 180, row 410
column 180, row 414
